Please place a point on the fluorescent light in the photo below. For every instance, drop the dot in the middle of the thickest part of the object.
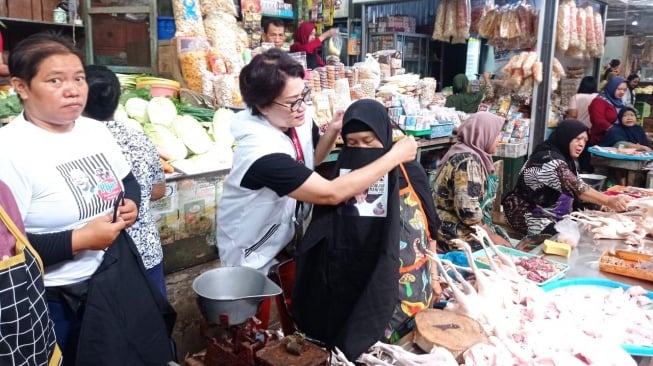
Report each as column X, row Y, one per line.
column 635, row 22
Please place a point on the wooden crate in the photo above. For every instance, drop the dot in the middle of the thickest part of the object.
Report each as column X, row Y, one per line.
column 47, row 6
column 4, row 12
column 20, row 9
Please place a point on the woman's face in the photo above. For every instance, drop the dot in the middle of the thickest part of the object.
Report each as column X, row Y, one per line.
column 56, row 96
column 312, row 35
column 362, row 139
column 628, row 118
column 495, row 144
column 621, row 90
column 279, row 113
column 577, row 145
column 633, row 83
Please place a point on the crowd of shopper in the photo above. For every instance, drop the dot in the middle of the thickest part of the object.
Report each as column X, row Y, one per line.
column 362, row 264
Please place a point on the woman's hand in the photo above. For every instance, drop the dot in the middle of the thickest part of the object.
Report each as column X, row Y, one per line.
column 128, row 212
column 97, row 234
column 406, row 149
column 328, row 34
column 436, row 287
column 618, row 203
column 336, row 122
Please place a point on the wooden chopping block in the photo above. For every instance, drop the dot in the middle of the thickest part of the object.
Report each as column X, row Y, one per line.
column 443, row 328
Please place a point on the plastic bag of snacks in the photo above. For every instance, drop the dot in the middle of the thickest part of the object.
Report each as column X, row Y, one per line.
column 188, row 18
column 194, row 63
column 211, row 6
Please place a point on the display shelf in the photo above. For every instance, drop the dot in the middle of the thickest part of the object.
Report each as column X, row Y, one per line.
column 267, row 15
column 414, row 48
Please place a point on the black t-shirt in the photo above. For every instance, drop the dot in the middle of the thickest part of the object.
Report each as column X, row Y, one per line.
column 279, row 172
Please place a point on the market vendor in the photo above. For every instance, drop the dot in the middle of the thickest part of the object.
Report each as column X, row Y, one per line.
column 604, row 109
column 549, row 187
column 272, row 182
column 626, row 133
column 274, row 31
column 306, row 41
column 362, row 271
column 467, row 101
column 465, row 183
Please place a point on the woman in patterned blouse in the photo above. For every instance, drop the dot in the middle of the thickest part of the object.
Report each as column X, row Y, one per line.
column 548, row 186
column 141, row 154
column 465, row 182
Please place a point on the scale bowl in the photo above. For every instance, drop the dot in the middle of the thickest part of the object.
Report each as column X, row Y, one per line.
column 232, row 291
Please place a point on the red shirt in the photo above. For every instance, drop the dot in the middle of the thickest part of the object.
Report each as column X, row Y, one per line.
column 602, row 115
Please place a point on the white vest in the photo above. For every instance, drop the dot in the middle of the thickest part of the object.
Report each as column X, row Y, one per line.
column 253, row 226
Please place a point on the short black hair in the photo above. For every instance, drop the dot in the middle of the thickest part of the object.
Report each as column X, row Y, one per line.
column 263, row 79
column 274, row 21
column 26, row 57
column 632, row 77
column 103, row 92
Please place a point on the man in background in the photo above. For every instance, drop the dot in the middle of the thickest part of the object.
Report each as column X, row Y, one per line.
column 274, row 31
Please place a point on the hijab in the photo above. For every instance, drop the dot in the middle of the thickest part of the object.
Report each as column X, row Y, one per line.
column 620, row 132
column 608, row 93
column 461, row 99
column 345, row 287
column 460, row 83
column 476, row 135
column 303, row 32
column 559, row 141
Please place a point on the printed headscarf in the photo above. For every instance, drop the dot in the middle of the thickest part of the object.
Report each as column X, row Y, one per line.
column 476, row 135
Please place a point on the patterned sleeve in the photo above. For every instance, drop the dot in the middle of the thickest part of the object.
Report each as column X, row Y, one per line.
column 156, row 169
column 469, row 180
column 570, row 184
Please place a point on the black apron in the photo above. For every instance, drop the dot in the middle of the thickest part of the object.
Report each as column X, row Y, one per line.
column 347, row 265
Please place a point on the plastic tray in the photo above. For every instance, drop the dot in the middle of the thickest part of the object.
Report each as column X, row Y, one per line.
column 644, row 155
column 477, row 255
column 600, row 282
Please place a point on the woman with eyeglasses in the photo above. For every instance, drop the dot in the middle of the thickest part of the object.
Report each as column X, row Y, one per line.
column 277, row 146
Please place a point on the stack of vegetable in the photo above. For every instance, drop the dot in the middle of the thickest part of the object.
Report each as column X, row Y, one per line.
column 193, row 139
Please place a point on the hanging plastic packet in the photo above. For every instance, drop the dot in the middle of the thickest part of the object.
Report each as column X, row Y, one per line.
column 335, row 45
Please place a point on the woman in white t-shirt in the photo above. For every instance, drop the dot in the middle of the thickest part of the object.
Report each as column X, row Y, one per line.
column 578, row 110
column 76, row 195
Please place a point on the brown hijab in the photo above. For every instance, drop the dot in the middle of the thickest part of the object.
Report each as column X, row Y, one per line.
column 476, row 135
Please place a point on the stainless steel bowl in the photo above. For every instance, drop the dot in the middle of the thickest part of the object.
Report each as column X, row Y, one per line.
column 233, row 291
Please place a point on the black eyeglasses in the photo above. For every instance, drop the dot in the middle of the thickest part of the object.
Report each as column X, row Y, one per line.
column 294, row 106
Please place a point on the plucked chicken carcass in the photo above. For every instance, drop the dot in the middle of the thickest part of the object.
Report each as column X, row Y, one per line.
column 610, row 225
column 525, row 326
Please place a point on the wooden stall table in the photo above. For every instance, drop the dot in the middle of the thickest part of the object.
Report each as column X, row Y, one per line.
column 632, row 164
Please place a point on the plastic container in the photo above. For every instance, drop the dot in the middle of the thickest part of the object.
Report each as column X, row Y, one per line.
column 165, row 28
column 159, row 87
column 441, row 130
column 480, row 257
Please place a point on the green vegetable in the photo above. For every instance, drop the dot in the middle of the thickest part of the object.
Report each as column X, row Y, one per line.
column 222, row 126
column 10, row 106
column 192, row 134
column 137, row 109
column 199, row 113
column 169, row 146
column 120, row 114
column 161, row 111
column 143, row 93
